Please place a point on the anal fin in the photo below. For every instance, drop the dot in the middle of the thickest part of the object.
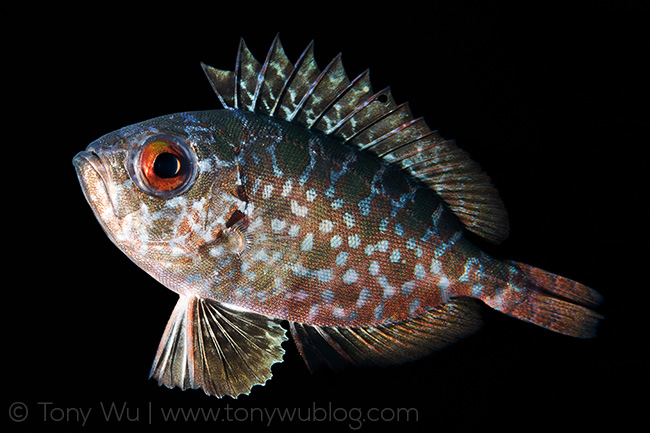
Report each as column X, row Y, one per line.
column 390, row 344
column 221, row 350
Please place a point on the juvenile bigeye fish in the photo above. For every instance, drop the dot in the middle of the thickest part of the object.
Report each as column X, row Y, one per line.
column 312, row 199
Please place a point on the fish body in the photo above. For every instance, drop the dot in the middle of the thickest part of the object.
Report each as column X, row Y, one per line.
column 314, row 200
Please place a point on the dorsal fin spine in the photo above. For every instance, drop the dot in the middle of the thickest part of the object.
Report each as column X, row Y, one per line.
column 333, row 111
column 238, row 63
column 336, row 131
column 262, row 75
column 302, row 67
column 275, row 72
column 381, row 125
column 223, row 84
column 328, row 102
column 390, row 134
column 248, row 71
column 309, row 94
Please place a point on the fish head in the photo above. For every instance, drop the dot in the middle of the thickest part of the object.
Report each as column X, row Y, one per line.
column 163, row 190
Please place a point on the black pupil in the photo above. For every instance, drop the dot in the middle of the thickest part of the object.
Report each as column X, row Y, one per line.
column 167, row 165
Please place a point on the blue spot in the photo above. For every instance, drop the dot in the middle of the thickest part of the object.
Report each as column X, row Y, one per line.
column 364, row 206
column 341, row 258
column 383, row 225
column 328, row 296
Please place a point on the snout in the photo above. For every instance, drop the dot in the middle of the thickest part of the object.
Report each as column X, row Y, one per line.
column 103, row 173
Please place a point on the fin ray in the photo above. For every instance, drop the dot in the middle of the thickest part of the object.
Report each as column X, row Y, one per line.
column 275, row 72
column 329, row 102
column 390, row 344
column 358, row 91
column 298, row 84
column 550, row 301
column 326, row 87
column 225, row 352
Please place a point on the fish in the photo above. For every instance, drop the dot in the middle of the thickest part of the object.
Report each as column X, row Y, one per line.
column 315, row 207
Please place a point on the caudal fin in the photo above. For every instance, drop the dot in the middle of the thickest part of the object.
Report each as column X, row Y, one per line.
column 557, row 303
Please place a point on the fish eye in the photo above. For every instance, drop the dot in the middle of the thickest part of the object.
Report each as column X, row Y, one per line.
column 167, row 165
column 163, row 166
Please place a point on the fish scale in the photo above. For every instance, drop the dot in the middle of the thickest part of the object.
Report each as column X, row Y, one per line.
column 320, row 232
column 312, row 199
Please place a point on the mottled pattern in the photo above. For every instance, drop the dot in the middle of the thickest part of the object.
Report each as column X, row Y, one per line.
column 311, row 199
column 338, row 237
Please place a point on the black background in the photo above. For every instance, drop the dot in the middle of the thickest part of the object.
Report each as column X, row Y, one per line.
column 551, row 101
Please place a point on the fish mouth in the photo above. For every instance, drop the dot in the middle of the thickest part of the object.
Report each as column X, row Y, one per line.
column 93, row 178
column 85, row 158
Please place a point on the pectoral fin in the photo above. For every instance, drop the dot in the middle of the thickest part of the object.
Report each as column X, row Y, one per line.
column 221, row 350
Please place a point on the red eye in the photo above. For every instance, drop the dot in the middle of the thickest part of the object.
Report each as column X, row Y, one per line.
column 165, row 166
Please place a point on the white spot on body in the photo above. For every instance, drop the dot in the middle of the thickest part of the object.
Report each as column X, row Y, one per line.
column 364, row 295
column 293, row 230
column 327, row 296
column 311, row 195
column 348, row 219
column 364, row 206
column 379, row 311
column 267, row 191
column 419, row 271
column 326, row 226
column 308, row 242
column 299, row 270
column 176, row 201
column 354, row 241
column 443, row 285
column 407, row 287
column 436, row 267
column 382, row 246
column 350, row 276
column 205, row 165
column 395, row 255
column 287, row 187
column 410, row 244
column 313, row 311
column 336, row 241
column 199, row 205
column 388, row 289
column 298, row 210
column 383, row 225
column 277, row 225
column 216, row 251
column 337, row 204
column 324, row 275
column 373, row 269
column 413, row 306
column 341, row 258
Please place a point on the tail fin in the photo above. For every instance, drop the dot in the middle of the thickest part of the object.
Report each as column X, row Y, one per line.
column 557, row 303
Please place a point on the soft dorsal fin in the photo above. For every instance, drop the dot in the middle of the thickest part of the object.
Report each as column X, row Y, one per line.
column 329, row 102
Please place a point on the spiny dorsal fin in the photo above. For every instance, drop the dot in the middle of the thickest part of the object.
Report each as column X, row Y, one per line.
column 391, row 344
column 329, row 102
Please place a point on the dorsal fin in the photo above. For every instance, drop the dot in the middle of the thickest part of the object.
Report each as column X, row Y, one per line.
column 329, row 102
